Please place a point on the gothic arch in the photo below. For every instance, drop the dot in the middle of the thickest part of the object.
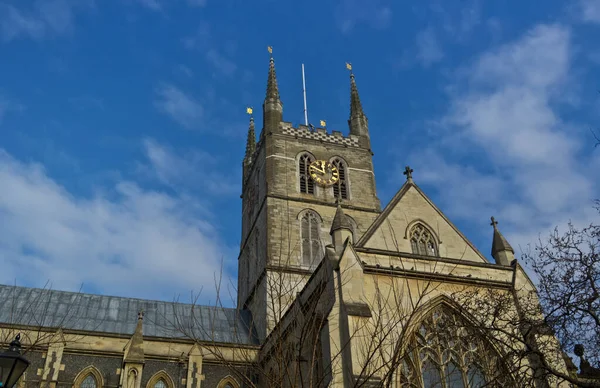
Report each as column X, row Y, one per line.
column 160, row 375
column 304, row 182
column 427, row 241
column 311, row 246
column 436, row 351
column 341, row 189
column 228, row 380
column 88, row 371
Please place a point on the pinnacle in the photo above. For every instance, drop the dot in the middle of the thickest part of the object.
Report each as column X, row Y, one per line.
column 356, row 109
column 251, row 141
column 340, row 221
column 272, row 88
column 499, row 243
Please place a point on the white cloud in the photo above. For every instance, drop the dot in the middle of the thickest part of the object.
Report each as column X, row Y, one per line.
column 513, row 155
column 46, row 18
column 124, row 240
column 350, row 13
column 429, row 50
column 220, row 63
column 197, row 3
column 590, row 10
column 175, row 169
column 182, row 107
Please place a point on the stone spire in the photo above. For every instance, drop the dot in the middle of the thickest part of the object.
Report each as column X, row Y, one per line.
column 358, row 122
column 502, row 252
column 251, row 141
column 272, row 107
column 135, row 350
column 341, row 228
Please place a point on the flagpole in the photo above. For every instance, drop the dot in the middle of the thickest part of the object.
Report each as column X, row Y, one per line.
column 304, row 92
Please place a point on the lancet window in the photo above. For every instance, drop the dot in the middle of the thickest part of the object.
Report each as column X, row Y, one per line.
column 161, row 383
column 310, row 237
column 422, row 241
column 307, row 185
column 89, row 382
column 340, row 188
column 444, row 353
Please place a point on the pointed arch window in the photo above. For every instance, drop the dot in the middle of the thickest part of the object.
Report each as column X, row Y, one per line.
column 89, row 382
column 422, row 241
column 307, row 185
column 161, row 383
column 340, row 189
column 310, row 226
column 444, row 353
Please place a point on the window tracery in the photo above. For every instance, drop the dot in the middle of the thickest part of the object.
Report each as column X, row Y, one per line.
column 340, row 188
column 161, row 383
column 307, row 185
column 310, row 237
column 422, row 241
column 443, row 353
column 88, row 377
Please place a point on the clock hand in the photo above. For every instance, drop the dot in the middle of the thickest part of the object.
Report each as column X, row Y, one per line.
column 322, row 170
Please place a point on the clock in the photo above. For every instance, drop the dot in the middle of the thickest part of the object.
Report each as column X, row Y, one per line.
column 324, row 173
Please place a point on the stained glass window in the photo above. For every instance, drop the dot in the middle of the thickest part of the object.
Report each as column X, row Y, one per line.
column 89, row 382
column 422, row 241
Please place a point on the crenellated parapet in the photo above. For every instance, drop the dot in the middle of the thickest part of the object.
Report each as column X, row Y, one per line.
column 319, row 134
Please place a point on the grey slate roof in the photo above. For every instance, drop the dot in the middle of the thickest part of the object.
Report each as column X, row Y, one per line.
column 37, row 307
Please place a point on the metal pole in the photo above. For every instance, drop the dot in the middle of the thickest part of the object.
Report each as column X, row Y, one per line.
column 304, row 92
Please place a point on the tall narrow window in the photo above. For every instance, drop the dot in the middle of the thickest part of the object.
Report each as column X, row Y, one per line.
column 311, row 241
column 160, row 384
column 307, row 185
column 422, row 241
column 340, row 189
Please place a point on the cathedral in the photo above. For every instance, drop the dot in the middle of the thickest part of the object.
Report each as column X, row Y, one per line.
column 333, row 290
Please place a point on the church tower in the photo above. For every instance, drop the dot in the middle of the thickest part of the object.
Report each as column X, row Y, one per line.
column 294, row 179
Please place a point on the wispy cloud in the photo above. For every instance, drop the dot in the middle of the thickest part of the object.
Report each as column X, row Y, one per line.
column 220, row 62
column 124, row 240
column 197, row 3
column 180, row 106
column 534, row 170
column 429, row 50
column 590, row 11
column 154, row 5
column 46, row 18
column 350, row 13
column 174, row 168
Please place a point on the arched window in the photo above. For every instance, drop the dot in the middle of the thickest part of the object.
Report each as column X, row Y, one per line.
column 340, row 188
column 444, row 353
column 89, row 382
column 310, row 226
column 307, row 185
column 228, row 382
column 422, row 241
column 88, row 377
column 160, row 379
column 161, row 383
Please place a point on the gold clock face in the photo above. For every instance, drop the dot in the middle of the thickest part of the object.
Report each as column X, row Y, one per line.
column 323, row 172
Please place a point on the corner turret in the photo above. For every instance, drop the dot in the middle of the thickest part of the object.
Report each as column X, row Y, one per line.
column 502, row 252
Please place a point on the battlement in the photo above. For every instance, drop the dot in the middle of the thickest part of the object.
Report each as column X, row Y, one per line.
column 319, row 134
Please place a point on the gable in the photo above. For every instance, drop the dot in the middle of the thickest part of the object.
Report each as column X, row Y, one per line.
column 390, row 231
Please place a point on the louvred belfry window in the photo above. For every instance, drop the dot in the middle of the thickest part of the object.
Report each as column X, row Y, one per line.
column 307, row 185
column 340, row 189
column 311, row 240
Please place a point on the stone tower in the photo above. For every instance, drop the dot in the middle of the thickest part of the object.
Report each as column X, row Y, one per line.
column 287, row 214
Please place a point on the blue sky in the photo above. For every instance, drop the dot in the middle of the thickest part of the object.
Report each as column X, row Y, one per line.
column 122, row 122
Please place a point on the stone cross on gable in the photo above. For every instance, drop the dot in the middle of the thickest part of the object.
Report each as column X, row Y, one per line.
column 408, row 172
column 494, row 222
column 141, row 314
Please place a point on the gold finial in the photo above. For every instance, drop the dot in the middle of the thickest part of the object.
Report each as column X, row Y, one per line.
column 349, row 67
column 249, row 110
column 270, row 50
column 323, row 123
